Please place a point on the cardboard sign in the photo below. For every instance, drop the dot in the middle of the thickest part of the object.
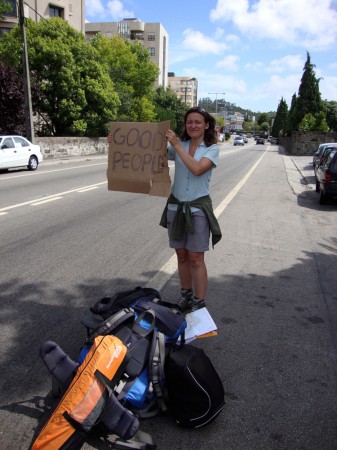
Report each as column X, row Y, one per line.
column 137, row 160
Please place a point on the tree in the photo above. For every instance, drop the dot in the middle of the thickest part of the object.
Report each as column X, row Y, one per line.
column 263, row 118
column 265, row 126
column 12, row 112
column 77, row 96
column 331, row 114
column 5, row 8
column 281, row 119
column 133, row 74
column 292, row 115
column 309, row 97
column 169, row 107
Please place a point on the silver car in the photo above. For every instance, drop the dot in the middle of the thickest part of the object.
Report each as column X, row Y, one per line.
column 17, row 151
column 238, row 140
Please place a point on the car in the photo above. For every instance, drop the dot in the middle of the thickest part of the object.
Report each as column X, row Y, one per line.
column 321, row 156
column 274, row 141
column 259, row 140
column 238, row 140
column 17, row 151
column 326, row 176
column 318, row 153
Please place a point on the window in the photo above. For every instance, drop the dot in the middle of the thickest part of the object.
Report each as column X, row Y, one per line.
column 54, row 11
column 4, row 30
column 12, row 4
column 7, row 143
column 152, row 51
column 20, row 142
column 137, row 35
column 151, row 36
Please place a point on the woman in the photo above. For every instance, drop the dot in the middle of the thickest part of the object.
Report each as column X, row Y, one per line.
column 188, row 214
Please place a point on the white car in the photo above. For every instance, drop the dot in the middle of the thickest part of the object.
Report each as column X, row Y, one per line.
column 17, row 151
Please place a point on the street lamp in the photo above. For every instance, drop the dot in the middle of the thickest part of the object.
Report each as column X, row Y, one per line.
column 216, row 99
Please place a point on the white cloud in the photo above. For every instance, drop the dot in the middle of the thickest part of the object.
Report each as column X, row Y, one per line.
column 328, row 88
column 229, row 63
column 277, row 87
column 113, row 11
column 309, row 23
column 255, row 66
column 94, row 8
column 197, row 42
column 292, row 63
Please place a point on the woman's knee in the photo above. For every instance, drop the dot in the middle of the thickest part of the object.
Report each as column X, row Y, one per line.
column 182, row 255
column 196, row 259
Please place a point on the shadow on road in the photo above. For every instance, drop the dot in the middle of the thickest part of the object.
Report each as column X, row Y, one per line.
column 275, row 352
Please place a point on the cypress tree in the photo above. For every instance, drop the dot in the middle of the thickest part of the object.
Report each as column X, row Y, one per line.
column 309, row 98
column 281, row 119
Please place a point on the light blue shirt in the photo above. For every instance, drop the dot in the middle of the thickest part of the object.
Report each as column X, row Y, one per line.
column 186, row 186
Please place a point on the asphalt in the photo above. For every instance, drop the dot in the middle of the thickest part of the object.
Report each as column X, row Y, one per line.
column 299, row 168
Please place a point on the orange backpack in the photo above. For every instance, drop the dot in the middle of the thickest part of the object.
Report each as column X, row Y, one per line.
column 83, row 403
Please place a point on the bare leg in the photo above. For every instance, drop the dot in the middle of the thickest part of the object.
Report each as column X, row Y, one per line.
column 198, row 271
column 184, row 268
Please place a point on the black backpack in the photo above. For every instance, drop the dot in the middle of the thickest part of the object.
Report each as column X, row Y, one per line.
column 195, row 390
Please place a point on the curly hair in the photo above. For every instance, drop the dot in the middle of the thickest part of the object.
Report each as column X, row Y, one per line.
column 210, row 136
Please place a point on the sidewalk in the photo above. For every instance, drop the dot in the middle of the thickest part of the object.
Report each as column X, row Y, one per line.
column 300, row 173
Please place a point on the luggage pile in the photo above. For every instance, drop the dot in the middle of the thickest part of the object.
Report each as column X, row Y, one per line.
column 134, row 364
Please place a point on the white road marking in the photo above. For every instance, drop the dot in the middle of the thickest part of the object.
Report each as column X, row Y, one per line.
column 51, row 197
column 48, row 200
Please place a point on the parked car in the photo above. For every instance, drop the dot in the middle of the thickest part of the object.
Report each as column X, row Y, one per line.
column 318, row 153
column 238, row 140
column 259, row 140
column 17, row 151
column 274, row 141
column 326, row 176
column 321, row 156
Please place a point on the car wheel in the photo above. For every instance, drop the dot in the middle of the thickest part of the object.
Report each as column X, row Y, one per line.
column 323, row 198
column 33, row 163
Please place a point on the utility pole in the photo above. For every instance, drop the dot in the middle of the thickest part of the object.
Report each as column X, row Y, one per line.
column 26, row 77
column 216, row 99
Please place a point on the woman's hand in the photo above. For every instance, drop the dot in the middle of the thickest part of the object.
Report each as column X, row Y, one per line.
column 172, row 138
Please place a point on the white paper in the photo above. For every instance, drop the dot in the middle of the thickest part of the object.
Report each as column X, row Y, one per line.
column 198, row 323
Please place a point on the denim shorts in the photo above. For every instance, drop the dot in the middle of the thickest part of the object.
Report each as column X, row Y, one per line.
column 193, row 242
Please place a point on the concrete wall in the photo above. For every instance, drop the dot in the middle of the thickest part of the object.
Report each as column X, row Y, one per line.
column 65, row 147
column 306, row 142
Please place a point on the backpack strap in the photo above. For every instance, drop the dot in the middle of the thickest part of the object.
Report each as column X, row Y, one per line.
column 156, row 367
column 98, row 327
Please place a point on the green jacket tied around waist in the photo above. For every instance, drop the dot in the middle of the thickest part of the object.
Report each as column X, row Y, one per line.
column 179, row 224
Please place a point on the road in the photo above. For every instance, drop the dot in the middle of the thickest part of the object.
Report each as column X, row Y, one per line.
column 66, row 241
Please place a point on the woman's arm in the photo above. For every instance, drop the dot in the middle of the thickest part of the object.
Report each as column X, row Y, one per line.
column 194, row 166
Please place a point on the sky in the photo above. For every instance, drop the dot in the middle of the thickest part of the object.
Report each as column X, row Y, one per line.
column 254, row 51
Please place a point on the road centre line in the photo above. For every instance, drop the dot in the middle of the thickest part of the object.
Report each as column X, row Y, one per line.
column 46, row 201
column 30, row 202
column 170, row 267
column 36, row 173
column 87, row 189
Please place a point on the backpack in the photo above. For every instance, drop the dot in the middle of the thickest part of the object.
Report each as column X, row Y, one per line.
column 195, row 390
column 103, row 414
column 85, row 400
column 141, row 386
column 168, row 319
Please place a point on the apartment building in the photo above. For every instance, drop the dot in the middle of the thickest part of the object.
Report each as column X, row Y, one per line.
column 153, row 36
column 186, row 88
column 72, row 11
